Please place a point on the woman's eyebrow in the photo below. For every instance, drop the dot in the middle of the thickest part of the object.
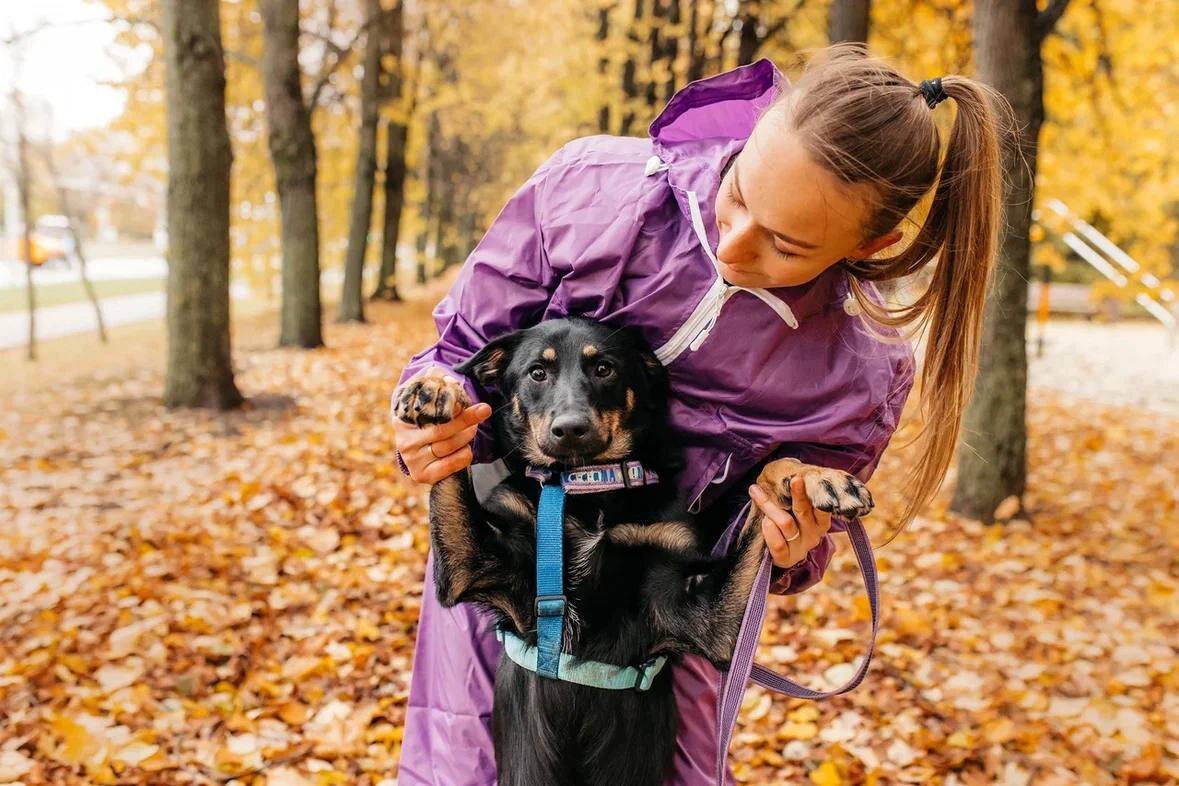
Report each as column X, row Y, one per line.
column 781, row 235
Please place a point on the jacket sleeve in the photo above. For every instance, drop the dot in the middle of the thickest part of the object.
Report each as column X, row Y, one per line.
column 860, row 461
column 505, row 284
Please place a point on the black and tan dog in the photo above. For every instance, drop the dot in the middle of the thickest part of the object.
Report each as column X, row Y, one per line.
column 570, row 393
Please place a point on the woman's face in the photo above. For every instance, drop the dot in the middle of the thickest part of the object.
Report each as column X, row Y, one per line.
column 783, row 218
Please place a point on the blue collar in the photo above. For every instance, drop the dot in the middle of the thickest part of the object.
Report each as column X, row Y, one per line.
column 596, row 477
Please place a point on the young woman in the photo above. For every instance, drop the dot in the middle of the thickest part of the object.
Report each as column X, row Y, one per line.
column 742, row 238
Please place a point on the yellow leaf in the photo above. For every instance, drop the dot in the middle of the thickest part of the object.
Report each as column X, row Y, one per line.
column 826, row 774
column 799, row 731
column 78, row 745
column 960, row 739
column 863, row 612
column 804, row 714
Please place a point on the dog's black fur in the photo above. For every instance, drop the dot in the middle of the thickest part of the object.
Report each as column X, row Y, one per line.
column 569, row 393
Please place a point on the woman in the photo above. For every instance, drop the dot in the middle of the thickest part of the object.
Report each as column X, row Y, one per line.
column 766, row 350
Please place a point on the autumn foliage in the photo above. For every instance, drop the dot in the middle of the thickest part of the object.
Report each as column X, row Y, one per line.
column 188, row 597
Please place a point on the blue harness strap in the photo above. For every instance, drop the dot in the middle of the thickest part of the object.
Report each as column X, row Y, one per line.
column 550, row 579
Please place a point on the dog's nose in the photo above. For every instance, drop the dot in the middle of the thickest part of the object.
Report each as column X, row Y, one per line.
column 570, row 428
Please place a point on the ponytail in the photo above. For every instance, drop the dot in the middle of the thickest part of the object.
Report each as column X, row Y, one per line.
column 870, row 124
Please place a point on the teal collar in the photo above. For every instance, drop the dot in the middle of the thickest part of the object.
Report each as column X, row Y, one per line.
column 585, row 672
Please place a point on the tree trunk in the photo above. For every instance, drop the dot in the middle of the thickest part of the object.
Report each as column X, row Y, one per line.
column 66, row 208
column 630, row 68
column 671, row 50
column 429, row 199
column 847, row 20
column 992, row 460
column 351, row 300
column 695, row 47
column 200, row 368
column 602, row 38
column 748, row 41
column 292, row 150
column 397, row 133
column 26, row 221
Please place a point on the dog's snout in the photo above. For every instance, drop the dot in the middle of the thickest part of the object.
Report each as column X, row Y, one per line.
column 570, row 428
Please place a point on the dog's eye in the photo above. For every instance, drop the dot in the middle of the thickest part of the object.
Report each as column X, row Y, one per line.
column 603, row 369
column 538, row 373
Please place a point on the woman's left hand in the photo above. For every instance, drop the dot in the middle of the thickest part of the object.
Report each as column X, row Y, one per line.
column 790, row 534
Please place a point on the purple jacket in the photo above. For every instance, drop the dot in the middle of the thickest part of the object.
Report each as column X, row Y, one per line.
column 623, row 229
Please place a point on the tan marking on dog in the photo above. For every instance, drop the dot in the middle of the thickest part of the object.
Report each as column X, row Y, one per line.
column 621, row 441
column 589, row 350
column 549, row 353
column 515, row 502
column 730, row 604
column 630, row 400
column 450, row 529
column 531, row 447
column 670, row 535
column 516, row 405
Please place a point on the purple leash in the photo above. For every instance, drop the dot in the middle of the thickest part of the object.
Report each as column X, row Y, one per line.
column 742, row 667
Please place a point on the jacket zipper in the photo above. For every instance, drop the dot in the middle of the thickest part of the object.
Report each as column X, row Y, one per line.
column 699, row 324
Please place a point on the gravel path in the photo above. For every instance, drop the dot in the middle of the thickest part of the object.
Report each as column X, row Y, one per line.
column 1133, row 364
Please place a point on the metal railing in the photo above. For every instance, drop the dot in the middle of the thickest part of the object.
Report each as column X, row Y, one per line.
column 1107, row 258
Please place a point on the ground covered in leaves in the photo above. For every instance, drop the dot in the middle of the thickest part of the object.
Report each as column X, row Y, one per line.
column 231, row 598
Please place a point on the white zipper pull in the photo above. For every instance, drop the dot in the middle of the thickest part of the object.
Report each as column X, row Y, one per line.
column 721, row 298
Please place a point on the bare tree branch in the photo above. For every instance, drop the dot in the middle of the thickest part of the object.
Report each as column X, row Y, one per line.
column 1046, row 20
column 338, row 52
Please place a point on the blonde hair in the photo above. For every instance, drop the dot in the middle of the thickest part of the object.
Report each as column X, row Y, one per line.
column 869, row 125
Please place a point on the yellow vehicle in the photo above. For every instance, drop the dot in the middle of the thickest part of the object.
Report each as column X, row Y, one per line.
column 46, row 247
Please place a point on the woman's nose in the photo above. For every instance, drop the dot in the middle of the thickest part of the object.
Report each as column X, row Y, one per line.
column 736, row 242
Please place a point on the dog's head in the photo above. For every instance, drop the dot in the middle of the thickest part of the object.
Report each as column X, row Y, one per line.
column 573, row 391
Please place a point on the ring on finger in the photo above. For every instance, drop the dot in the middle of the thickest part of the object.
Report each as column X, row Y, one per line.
column 797, row 533
column 430, row 447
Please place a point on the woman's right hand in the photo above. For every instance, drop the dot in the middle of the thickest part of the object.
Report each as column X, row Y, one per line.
column 434, row 451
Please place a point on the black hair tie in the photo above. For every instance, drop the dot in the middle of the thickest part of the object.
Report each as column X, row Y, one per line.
column 931, row 90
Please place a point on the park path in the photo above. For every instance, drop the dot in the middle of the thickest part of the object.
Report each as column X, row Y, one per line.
column 1131, row 364
column 69, row 318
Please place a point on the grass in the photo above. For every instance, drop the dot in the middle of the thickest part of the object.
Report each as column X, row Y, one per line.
column 81, row 359
column 16, row 299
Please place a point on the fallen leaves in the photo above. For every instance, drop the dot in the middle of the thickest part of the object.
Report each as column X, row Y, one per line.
column 198, row 598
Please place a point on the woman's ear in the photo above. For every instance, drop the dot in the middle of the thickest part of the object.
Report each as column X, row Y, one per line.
column 877, row 244
column 487, row 366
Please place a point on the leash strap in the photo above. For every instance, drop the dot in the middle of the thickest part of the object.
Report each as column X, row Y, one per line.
column 550, row 579
column 742, row 667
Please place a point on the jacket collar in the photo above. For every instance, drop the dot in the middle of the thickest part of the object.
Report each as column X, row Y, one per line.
column 704, row 125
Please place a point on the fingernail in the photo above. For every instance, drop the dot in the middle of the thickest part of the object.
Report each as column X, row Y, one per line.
column 756, row 492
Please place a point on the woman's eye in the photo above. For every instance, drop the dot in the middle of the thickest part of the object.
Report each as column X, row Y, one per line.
column 538, row 374
column 781, row 253
column 603, row 369
column 732, row 192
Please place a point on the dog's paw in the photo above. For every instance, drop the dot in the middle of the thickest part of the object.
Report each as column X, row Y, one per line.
column 830, row 490
column 427, row 400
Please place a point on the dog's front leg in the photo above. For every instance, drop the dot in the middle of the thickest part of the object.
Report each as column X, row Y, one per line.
column 727, row 586
column 716, row 598
column 453, row 506
column 474, row 560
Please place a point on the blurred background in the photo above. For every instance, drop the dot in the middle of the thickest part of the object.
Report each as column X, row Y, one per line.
column 210, row 567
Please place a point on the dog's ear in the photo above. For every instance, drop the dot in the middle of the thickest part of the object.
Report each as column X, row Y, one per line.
column 655, row 374
column 488, row 364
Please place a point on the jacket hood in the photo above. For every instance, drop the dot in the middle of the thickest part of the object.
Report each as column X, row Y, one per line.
column 719, row 109
column 694, row 137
